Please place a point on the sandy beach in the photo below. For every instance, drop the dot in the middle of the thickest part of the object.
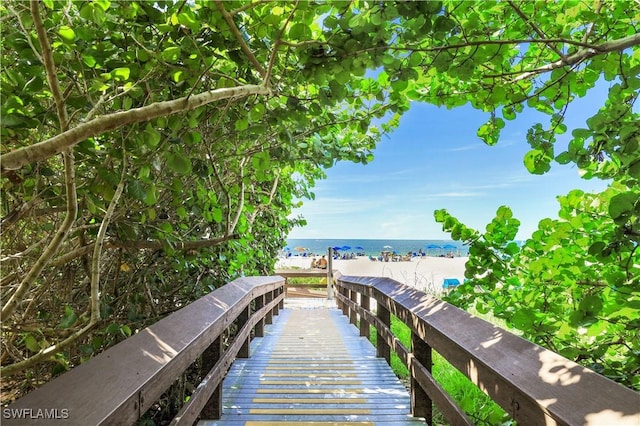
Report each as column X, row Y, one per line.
column 424, row 273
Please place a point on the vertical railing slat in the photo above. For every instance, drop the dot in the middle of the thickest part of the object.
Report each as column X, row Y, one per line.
column 421, row 404
column 213, row 409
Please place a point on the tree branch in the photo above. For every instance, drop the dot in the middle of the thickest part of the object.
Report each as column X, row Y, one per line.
column 99, row 243
column 236, row 32
column 277, row 43
column 231, row 226
column 584, row 54
column 50, row 66
column 47, row 353
column 45, row 149
column 587, row 33
column 535, row 28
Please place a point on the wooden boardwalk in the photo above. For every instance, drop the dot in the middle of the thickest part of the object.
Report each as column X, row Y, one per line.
column 312, row 368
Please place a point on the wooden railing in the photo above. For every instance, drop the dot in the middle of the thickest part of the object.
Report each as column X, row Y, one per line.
column 534, row 385
column 119, row 385
column 305, row 273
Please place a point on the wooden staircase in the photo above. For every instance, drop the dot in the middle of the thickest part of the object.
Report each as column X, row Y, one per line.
column 312, row 368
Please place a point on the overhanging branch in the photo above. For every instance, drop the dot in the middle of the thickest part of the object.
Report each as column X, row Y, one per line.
column 45, row 149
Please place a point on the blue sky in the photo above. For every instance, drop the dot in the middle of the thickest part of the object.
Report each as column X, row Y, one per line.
column 434, row 160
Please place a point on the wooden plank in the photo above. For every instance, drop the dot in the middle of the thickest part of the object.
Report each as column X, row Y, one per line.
column 289, row 423
column 327, row 372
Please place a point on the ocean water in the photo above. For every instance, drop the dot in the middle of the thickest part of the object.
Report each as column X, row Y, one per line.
column 374, row 247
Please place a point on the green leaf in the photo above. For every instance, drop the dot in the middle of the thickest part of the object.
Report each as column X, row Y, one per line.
column 216, row 214
column 31, row 343
column 151, row 196
column 179, row 163
column 121, row 73
column 171, row 54
column 136, row 190
column 537, row 161
column 126, row 330
column 112, row 328
column 152, row 136
column 67, row 34
column 242, row 124
column 69, row 319
column 622, row 204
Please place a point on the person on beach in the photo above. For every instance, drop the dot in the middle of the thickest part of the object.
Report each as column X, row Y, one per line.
column 322, row 263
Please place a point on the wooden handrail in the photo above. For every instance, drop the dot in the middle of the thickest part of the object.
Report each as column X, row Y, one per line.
column 306, row 273
column 534, row 385
column 119, row 385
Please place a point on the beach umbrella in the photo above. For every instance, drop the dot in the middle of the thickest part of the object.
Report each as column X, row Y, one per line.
column 336, row 248
column 346, row 247
column 300, row 249
column 432, row 247
column 387, row 247
column 449, row 247
column 359, row 248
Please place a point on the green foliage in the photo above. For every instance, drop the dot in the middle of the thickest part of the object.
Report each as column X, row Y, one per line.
column 572, row 287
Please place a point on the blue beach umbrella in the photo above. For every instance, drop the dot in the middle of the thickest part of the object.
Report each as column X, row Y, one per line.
column 346, row 248
column 359, row 248
column 432, row 247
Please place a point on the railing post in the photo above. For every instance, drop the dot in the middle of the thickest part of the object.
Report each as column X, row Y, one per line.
column 339, row 303
column 281, row 303
column 268, row 319
column 383, row 350
column 276, row 308
column 330, row 274
column 365, row 327
column 213, row 408
column 258, row 330
column 421, row 404
column 353, row 313
column 243, row 318
column 345, row 307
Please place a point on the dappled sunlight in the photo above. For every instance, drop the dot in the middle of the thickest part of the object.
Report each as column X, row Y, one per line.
column 557, row 370
column 610, row 417
column 384, row 391
column 547, row 402
column 488, row 343
column 166, row 352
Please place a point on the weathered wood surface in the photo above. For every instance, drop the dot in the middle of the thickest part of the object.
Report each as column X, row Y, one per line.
column 312, row 367
column 120, row 384
column 302, row 273
column 536, row 386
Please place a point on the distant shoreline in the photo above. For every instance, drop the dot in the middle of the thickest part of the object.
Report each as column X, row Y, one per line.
column 424, row 273
column 373, row 247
